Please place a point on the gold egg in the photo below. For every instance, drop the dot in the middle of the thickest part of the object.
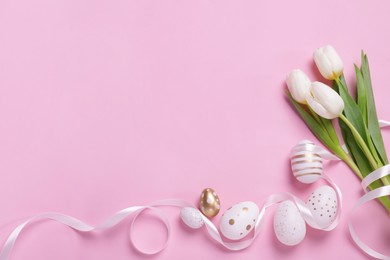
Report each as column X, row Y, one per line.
column 209, row 203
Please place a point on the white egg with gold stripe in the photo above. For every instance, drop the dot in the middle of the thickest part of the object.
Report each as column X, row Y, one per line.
column 306, row 163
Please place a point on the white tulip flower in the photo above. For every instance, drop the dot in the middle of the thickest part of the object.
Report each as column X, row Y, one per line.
column 299, row 85
column 328, row 62
column 324, row 101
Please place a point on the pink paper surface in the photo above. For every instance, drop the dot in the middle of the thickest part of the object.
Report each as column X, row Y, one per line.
column 110, row 104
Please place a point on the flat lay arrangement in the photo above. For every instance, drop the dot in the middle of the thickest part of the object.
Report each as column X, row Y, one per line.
column 318, row 104
column 194, row 130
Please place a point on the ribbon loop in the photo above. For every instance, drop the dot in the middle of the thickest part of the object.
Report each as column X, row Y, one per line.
column 213, row 231
column 120, row 216
column 375, row 175
column 161, row 216
column 369, row 196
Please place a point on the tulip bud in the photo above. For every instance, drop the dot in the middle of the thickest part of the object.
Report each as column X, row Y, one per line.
column 328, row 62
column 324, row 101
column 299, row 85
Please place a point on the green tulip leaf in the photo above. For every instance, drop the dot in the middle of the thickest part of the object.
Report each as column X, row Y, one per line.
column 372, row 118
column 360, row 159
column 361, row 94
column 316, row 127
column 331, row 131
column 327, row 125
column 351, row 109
column 354, row 115
column 354, row 150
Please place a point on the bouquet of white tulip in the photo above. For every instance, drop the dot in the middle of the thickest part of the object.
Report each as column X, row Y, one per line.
column 318, row 104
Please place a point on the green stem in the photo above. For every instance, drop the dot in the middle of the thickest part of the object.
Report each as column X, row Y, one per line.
column 352, row 165
column 360, row 141
column 385, row 201
column 363, row 145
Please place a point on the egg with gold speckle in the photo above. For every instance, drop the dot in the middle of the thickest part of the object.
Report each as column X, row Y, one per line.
column 239, row 220
column 289, row 226
column 191, row 217
column 323, row 205
column 209, row 203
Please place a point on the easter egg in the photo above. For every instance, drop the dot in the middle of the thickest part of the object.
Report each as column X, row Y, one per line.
column 209, row 203
column 323, row 205
column 306, row 165
column 191, row 217
column 289, row 226
column 239, row 220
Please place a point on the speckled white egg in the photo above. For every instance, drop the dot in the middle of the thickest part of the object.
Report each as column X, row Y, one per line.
column 306, row 165
column 289, row 226
column 239, row 220
column 323, row 205
column 191, row 217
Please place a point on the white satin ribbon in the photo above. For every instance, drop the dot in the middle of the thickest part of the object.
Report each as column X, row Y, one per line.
column 369, row 196
column 273, row 199
column 80, row 226
column 306, row 146
column 270, row 201
column 383, row 123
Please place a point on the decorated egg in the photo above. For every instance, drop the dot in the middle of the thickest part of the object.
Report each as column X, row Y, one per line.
column 289, row 226
column 191, row 217
column 323, row 205
column 239, row 220
column 306, row 165
column 209, row 203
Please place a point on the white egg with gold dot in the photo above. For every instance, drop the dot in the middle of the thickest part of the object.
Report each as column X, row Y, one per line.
column 323, row 205
column 239, row 220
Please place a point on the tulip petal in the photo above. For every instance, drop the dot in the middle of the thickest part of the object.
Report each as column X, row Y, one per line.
column 323, row 64
column 334, row 59
column 328, row 98
column 318, row 108
column 299, row 85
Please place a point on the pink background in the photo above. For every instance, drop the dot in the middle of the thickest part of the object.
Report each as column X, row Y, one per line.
column 108, row 104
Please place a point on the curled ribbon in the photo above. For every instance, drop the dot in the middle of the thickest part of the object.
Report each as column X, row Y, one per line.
column 120, row 216
column 80, row 226
column 273, row 199
column 369, row 196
